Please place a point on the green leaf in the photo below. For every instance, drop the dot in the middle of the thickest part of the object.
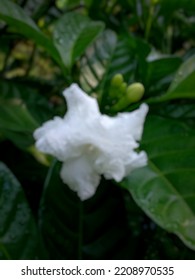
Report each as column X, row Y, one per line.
column 72, row 35
column 97, row 60
column 18, row 233
column 160, row 69
column 94, row 229
column 185, row 111
column 164, row 189
column 37, row 105
column 186, row 69
column 16, row 17
column 16, row 123
column 168, row 7
column 183, row 84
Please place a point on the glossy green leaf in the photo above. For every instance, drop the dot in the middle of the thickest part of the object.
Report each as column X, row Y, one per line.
column 185, row 89
column 182, row 85
column 160, row 69
column 186, row 69
column 164, row 189
column 94, row 229
column 36, row 103
column 73, row 33
column 168, row 7
column 185, row 112
column 18, row 233
column 16, row 123
column 16, row 17
column 96, row 60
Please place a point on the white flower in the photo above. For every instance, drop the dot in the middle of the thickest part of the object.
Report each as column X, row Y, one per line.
column 91, row 144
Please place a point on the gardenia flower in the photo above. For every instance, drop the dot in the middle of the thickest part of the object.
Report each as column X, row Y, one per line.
column 91, row 144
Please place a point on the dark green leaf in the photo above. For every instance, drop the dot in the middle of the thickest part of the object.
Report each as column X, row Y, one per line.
column 96, row 60
column 16, row 17
column 18, row 232
column 72, row 35
column 186, row 69
column 159, row 69
column 165, row 188
column 183, row 84
column 16, row 123
column 168, row 7
column 185, row 111
column 94, row 229
column 37, row 105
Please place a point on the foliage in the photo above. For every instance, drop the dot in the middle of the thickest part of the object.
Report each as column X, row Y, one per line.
column 44, row 48
column 19, row 235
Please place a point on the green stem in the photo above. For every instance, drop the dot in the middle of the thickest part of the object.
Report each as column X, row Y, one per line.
column 169, row 39
column 6, row 59
column 149, row 22
column 80, row 236
column 6, row 254
column 45, row 186
column 31, row 60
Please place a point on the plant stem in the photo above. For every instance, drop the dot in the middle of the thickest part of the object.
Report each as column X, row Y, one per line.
column 149, row 21
column 6, row 59
column 80, row 231
column 31, row 60
column 5, row 252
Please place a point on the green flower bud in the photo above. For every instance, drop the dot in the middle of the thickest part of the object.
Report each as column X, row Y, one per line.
column 154, row 2
column 123, row 88
column 135, row 92
column 117, row 80
column 115, row 86
column 132, row 94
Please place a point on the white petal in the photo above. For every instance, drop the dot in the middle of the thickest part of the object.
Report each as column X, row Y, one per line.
column 80, row 104
column 134, row 121
column 80, row 176
column 111, row 169
column 136, row 160
column 49, row 138
column 41, row 131
column 116, row 142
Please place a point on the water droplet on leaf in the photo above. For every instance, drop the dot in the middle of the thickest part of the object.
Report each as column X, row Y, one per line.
column 180, row 73
column 60, row 40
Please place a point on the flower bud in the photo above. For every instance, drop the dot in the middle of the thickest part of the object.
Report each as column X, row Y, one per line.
column 117, row 80
column 123, row 88
column 135, row 92
column 132, row 94
column 116, row 86
column 154, row 2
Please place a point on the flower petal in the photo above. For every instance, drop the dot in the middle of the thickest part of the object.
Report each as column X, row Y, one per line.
column 49, row 138
column 80, row 104
column 133, row 122
column 136, row 160
column 80, row 176
column 111, row 169
column 115, row 138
